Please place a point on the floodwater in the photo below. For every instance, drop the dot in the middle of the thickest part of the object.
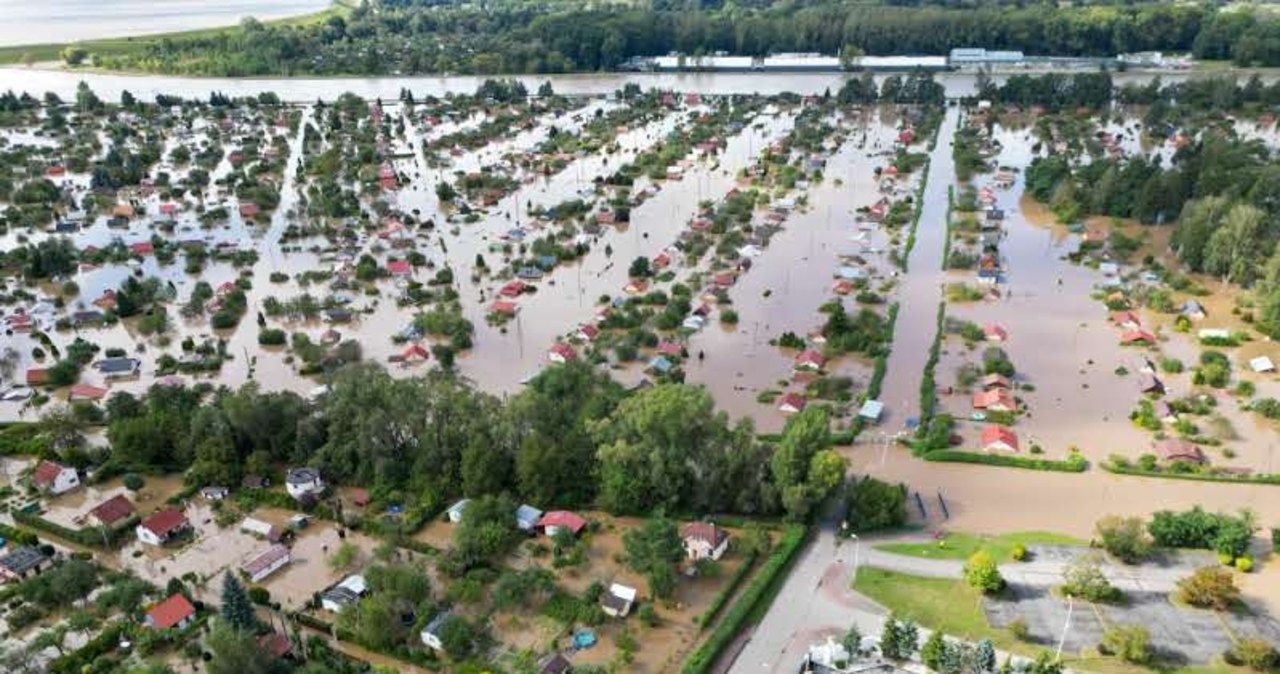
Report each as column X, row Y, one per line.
column 70, row 20
column 305, row 90
column 920, row 290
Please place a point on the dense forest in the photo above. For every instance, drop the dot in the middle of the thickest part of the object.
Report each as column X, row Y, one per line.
column 408, row 36
column 572, row 438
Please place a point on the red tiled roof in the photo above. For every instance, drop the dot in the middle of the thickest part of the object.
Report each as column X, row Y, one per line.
column 1138, row 335
column 993, row 398
column 995, row 433
column 792, row 400
column 705, row 531
column 563, row 350
column 1178, row 449
column 91, row 392
column 165, row 522
column 46, row 472
column 399, row 267
column 170, row 612
column 113, row 509
column 563, row 518
column 37, row 376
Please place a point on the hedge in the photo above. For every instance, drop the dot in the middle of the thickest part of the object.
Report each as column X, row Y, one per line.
column 928, row 386
column 1255, row 478
column 874, row 386
column 89, row 537
column 915, row 223
column 1027, row 462
column 79, row 660
column 705, row 656
column 946, row 240
column 18, row 536
column 722, row 597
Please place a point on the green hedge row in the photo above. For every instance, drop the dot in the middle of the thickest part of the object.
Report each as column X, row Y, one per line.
column 928, row 386
column 1256, row 478
column 874, row 386
column 722, row 597
column 89, row 537
column 705, row 656
column 107, row 641
column 915, row 222
column 18, row 536
column 946, row 237
column 1077, row 464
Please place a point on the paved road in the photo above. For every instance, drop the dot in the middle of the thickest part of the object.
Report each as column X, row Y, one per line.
column 1039, row 571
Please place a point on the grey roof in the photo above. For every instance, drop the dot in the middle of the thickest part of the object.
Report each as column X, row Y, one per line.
column 340, row 595
column 117, row 364
column 23, row 559
column 527, row 515
column 302, row 475
column 436, row 623
column 554, row 663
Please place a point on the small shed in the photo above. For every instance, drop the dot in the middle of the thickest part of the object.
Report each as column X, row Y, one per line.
column 455, row 511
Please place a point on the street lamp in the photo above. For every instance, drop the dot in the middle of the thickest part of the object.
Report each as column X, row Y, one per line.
column 856, row 543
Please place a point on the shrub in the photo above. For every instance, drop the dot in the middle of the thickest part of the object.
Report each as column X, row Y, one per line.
column 1018, row 629
column 1256, row 654
column 729, row 317
column 981, row 572
column 1083, row 578
column 1209, row 587
column 1019, row 552
column 272, row 337
column 1124, row 538
column 1131, row 643
column 133, row 482
column 1244, row 564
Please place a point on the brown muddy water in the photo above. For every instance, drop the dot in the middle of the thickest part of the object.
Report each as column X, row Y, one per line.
column 1055, row 329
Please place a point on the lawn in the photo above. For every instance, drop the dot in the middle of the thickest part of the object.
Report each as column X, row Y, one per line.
column 962, row 546
column 937, row 603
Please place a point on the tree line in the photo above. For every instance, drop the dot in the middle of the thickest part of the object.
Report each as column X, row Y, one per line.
column 573, row 438
column 508, row 37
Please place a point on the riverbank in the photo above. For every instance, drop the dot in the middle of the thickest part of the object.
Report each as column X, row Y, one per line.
column 48, row 55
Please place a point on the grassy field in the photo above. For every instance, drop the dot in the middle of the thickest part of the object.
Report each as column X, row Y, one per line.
column 34, row 53
column 937, row 603
column 962, row 546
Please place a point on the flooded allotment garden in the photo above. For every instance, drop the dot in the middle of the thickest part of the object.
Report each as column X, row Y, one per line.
column 655, row 233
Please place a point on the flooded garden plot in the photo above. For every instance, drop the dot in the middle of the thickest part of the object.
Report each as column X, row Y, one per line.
column 777, row 346
column 1076, row 374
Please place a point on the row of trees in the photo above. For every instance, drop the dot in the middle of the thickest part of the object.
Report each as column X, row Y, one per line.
column 561, row 37
column 572, row 438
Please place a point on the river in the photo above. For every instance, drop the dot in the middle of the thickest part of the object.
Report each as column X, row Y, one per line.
column 71, row 20
column 304, row 90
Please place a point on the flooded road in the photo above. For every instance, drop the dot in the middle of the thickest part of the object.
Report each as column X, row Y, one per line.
column 920, row 289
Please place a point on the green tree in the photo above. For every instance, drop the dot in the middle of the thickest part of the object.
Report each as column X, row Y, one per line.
column 933, row 651
column 981, row 572
column 236, row 651
column 653, row 549
column 487, row 530
column 236, row 610
column 344, row 556
column 457, row 636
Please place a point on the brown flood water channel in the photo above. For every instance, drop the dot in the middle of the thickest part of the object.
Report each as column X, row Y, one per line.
column 1055, row 328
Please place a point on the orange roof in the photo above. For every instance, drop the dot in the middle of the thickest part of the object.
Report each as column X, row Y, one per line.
column 995, row 398
column 995, row 433
column 170, row 612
